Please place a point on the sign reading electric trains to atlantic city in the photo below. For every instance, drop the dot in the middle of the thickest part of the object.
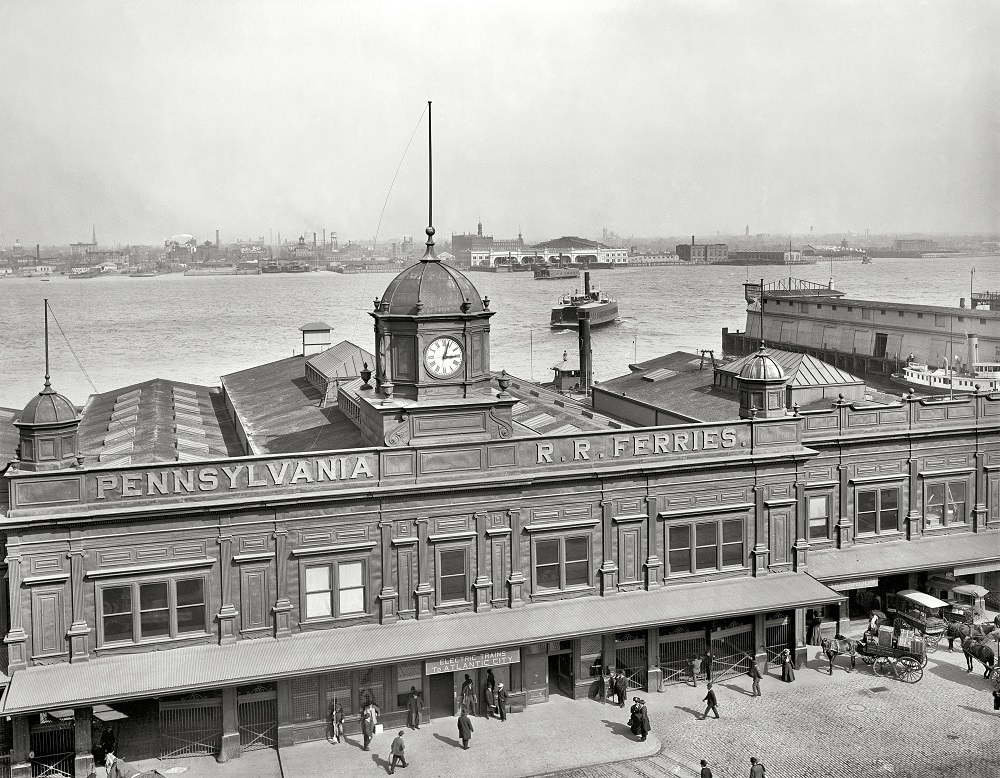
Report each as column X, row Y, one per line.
column 363, row 469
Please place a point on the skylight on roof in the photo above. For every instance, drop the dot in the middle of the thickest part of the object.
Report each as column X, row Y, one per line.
column 659, row 375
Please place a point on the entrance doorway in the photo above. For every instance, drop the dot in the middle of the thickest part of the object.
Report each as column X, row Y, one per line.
column 442, row 698
column 561, row 674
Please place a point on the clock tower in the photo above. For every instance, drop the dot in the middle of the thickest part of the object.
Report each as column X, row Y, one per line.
column 432, row 379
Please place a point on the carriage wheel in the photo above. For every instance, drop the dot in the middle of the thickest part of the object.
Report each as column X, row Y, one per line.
column 932, row 642
column 923, row 659
column 899, row 623
column 908, row 669
column 868, row 660
column 883, row 665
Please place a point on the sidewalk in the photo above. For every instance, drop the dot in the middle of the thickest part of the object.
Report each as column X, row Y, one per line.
column 559, row 735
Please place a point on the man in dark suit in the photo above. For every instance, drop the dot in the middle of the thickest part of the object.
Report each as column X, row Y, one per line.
column 502, row 701
column 711, row 704
column 413, row 706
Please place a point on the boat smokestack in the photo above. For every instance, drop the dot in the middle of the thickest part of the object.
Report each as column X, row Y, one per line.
column 583, row 322
column 586, row 282
column 973, row 345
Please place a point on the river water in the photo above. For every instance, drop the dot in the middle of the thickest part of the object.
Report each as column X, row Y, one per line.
column 107, row 333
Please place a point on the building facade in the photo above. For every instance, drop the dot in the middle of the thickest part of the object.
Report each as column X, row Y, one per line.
column 217, row 603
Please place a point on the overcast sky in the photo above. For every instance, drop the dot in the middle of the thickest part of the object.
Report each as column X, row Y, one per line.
column 149, row 119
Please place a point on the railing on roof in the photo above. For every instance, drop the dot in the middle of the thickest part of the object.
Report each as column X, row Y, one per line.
column 790, row 287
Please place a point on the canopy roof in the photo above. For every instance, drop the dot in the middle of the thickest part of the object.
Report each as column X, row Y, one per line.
column 970, row 590
column 922, row 599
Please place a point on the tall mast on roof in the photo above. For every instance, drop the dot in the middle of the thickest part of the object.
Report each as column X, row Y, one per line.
column 429, row 254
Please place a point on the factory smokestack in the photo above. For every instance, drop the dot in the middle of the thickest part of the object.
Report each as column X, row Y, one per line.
column 217, row 239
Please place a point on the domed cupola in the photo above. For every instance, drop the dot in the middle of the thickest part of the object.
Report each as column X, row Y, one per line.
column 431, row 287
column 762, row 387
column 431, row 333
column 49, row 428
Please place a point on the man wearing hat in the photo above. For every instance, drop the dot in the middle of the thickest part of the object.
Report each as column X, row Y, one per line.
column 711, row 704
column 756, row 768
column 396, row 749
column 502, row 701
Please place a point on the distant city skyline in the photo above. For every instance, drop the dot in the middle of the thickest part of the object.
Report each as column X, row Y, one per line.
column 650, row 119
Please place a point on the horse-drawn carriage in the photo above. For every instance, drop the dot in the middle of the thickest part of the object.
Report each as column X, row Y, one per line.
column 910, row 609
column 897, row 651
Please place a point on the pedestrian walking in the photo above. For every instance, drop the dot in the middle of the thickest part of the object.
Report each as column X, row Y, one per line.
column 787, row 667
column 644, row 725
column 755, row 677
column 502, row 701
column 756, row 768
column 633, row 716
column 336, row 721
column 369, row 717
column 996, row 699
column 695, row 670
column 397, row 748
column 706, row 771
column 465, row 729
column 469, row 695
column 711, row 703
column 413, row 708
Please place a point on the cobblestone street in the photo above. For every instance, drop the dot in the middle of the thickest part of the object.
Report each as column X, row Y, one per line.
column 850, row 725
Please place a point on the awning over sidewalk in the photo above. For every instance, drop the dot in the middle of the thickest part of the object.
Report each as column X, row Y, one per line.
column 160, row 673
column 872, row 560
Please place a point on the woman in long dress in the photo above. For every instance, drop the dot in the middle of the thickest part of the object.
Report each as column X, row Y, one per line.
column 787, row 668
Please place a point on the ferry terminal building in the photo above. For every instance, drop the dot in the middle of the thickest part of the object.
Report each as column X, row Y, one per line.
column 210, row 569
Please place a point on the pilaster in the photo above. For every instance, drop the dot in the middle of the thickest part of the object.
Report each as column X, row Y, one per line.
column 230, row 748
column 651, row 567
column 515, row 583
column 282, row 605
column 423, row 592
column 980, row 517
column 844, row 529
column 608, row 571
column 760, row 553
column 15, row 640
column 79, row 632
column 482, row 584
column 914, row 517
column 388, row 598
column 20, row 749
column 800, row 549
column 227, row 611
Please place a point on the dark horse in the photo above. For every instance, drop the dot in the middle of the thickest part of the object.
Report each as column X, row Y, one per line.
column 981, row 652
column 956, row 629
column 840, row 645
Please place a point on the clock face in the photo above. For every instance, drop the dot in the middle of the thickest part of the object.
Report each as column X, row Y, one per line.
column 443, row 357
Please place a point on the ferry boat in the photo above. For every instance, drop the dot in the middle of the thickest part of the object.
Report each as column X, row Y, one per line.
column 544, row 273
column 603, row 309
column 985, row 377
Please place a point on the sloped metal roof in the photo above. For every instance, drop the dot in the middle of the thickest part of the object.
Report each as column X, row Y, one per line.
column 157, row 673
column 343, row 360
column 800, row 369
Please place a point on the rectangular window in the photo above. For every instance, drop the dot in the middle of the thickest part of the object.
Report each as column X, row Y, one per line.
column 705, row 545
column 562, row 563
column 679, row 549
column 153, row 610
column 877, row 511
column 945, row 503
column 818, row 511
column 453, row 583
column 334, row 589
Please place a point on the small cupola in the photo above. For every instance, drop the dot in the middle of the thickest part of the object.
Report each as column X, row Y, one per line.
column 315, row 337
column 49, row 432
column 762, row 387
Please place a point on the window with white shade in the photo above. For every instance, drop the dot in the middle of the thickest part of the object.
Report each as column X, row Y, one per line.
column 334, row 589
